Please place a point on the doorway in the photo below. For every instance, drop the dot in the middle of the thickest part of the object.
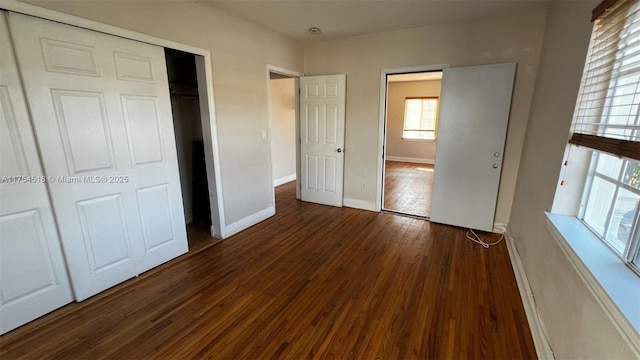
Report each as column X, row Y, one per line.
column 185, row 108
column 283, row 128
column 411, row 120
column 283, row 91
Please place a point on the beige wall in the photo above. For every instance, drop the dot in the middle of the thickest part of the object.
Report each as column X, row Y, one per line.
column 283, row 127
column 396, row 94
column 240, row 52
column 517, row 38
column 577, row 326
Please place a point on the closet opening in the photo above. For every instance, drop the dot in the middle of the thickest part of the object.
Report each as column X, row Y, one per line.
column 411, row 122
column 192, row 163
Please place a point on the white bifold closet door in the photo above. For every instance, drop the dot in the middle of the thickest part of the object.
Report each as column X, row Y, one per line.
column 102, row 117
column 33, row 279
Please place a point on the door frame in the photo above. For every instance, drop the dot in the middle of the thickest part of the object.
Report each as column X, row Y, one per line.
column 382, row 122
column 296, row 76
column 204, row 72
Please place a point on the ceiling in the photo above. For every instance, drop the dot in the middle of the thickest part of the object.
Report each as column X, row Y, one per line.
column 342, row 18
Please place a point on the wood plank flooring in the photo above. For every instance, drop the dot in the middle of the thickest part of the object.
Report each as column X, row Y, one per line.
column 311, row 282
column 199, row 237
column 407, row 187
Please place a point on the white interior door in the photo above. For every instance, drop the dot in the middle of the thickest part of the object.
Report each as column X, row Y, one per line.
column 474, row 112
column 33, row 278
column 102, row 117
column 322, row 115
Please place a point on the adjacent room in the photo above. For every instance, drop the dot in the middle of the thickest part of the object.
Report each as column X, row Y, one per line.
column 319, row 179
column 410, row 141
column 283, row 129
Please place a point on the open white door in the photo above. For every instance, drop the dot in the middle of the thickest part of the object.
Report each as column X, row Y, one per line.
column 102, row 117
column 474, row 113
column 33, row 279
column 322, row 115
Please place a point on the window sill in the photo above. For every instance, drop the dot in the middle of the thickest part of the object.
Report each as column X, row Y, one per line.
column 615, row 286
column 421, row 140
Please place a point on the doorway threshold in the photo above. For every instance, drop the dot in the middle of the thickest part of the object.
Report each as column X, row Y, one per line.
column 394, row 212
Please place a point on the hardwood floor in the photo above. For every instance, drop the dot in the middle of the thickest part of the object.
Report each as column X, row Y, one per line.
column 407, row 187
column 199, row 237
column 311, row 282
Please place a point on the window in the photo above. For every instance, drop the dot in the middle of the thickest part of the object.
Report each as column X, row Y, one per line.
column 420, row 118
column 607, row 121
column 612, row 199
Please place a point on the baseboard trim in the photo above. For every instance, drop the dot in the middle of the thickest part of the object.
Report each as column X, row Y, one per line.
column 410, row 159
column 249, row 221
column 212, row 229
column 359, row 204
column 499, row 228
column 538, row 332
column 284, row 180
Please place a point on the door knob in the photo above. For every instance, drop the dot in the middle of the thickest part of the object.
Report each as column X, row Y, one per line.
column 339, row 150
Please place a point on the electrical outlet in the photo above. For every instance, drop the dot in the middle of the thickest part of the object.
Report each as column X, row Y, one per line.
column 363, row 187
column 264, row 134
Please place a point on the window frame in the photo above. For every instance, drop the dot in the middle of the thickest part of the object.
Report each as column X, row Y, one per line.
column 632, row 246
column 435, row 121
column 608, row 51
column 609, row 278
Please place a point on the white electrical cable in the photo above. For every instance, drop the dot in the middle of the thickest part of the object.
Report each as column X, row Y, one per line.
column 478, row 240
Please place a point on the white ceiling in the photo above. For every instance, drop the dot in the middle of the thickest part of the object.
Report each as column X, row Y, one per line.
column 342, row 18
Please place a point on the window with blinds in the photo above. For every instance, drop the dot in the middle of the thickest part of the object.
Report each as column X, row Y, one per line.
column 420, row 118
column 606, row 120
column 608, row 107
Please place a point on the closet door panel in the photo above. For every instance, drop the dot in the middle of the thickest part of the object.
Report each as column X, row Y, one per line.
column 33, row 277
column 102, row 115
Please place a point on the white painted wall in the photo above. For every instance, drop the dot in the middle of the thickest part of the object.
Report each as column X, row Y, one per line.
column 397, row 93
column 240, row 52
column 577, row 326
column 516, row 38
column 283, row 129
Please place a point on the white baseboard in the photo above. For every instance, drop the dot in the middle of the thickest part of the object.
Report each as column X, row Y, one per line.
column 284, row 180
column 359, row 204
column 538, row 332
column 410, row 159
column 499, row 228
column 212, row 230
column 249, row 221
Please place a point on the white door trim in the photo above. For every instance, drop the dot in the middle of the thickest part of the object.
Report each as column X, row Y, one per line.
column 208, row 117
column 283, row 71
column 296, row 76
column 382, row 119
column 210, row 140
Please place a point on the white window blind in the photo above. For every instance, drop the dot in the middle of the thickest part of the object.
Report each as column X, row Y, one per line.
column 420, row 118
column 608, row 107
